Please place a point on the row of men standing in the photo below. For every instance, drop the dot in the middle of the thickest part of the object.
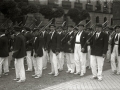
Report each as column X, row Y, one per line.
column 35, row 45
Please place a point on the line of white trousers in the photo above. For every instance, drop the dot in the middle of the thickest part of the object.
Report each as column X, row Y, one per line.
column 38, row 65
column 115, row 56
column 97, row 63
column 54, row 62
column 88, row 56
column 108, row 56
column 4, row 63
column 29, row 61
column 61, row 60
column 19, row 68
column 70, row 61
column 80, row 59
column 45, row 58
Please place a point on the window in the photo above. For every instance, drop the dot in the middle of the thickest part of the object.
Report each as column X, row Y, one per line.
column 97, row 19
column 105, row 19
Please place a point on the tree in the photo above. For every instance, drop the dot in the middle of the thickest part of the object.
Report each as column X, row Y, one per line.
column 46, row 11
column 59, row 12
column 77, row 15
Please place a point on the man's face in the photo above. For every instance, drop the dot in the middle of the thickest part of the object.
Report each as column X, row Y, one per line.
column 117, row 30
column 36, row 33
column 80, row 28
column 98, row 29
column 59, row 29
column 52, row 28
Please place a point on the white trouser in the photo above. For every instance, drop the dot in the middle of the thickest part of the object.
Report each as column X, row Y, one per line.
column 54, row 62
column 29, row 60
column 108, row 56
column 4, row 62
column 10, row 58
column 97, row 65
column 19, row 68
column 70, row 62
column 115, row 56
column 61, row 60
column 38, row 64
column 45, row 58
column 80, row 59
column 5, row 65
column 88, row 56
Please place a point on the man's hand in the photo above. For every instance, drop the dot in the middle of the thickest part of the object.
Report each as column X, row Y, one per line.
column 57, row 53
column 88, row 42
column 69, row 43
column 35, row 55
column 82, row 50
column 103, row 55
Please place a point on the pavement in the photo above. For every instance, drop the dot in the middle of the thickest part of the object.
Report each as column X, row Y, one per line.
column 109, row 82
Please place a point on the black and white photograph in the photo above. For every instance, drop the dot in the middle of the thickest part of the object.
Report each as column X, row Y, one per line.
column 59, row 44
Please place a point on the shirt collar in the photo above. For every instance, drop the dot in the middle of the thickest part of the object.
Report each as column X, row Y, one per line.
column 2, row 35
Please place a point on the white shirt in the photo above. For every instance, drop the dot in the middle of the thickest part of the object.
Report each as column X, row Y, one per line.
column 78, row 36
column 98, row 34
column 2, row 35
column 43, row 33
column 116, row 42
column 52, row 34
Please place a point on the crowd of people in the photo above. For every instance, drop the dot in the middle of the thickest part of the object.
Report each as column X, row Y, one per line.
column 81, row 47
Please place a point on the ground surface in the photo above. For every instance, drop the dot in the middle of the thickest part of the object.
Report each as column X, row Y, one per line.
column 7, row 83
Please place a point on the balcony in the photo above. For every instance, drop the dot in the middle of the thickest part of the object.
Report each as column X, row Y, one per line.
column 98, row 7
column 66, row 4
column 105, row 10
column 78, row 5
column 52, row 4
column 89, row 7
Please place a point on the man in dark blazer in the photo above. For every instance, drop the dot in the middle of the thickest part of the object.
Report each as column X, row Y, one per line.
column 19, row 52
column 54, row 46
column 68, row 43
column 115, row 51
column 29, row 41
column 4, row 52
column 99, row 47
column 38, row 53
column 45, row 51
column 61, row 54
column 80, row 50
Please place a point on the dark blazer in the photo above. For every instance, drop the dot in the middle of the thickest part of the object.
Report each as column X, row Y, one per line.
column 99, row 46
column 19, row 46
column 83, row 40
column 54, row 43
column 113, row 43
column 38, row 45
column 69, row 48
column 61, row 35
column 4, row 51
column 29, row 41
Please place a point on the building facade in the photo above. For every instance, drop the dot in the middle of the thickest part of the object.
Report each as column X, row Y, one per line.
column 99, row 10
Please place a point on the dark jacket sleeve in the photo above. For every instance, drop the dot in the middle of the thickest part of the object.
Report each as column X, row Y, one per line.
column 105, row 44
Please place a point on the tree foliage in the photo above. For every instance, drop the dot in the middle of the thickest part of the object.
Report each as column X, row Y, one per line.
column 59, row 12
column 77, row 15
